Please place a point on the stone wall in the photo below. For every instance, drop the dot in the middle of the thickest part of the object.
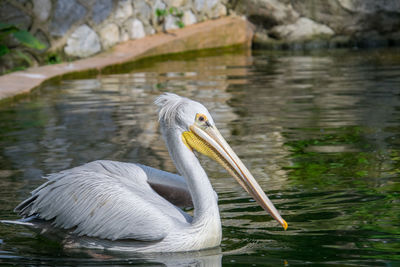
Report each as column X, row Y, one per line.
column 322, row 23
column 81, row 28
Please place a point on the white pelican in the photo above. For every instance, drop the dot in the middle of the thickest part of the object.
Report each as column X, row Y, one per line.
column 126, row 206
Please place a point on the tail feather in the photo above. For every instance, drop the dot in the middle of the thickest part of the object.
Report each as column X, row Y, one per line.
column 18, row 222
column 23, row 208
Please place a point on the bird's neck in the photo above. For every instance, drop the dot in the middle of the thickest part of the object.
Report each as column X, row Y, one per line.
column 203, row 196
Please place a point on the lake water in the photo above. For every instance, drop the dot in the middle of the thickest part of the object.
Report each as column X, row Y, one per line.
column 320, row 131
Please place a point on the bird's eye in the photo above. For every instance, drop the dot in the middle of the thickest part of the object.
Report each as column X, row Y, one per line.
column 201, row 118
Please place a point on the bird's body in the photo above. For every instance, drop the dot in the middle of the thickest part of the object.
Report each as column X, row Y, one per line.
column 130, row 210
column 126, row 206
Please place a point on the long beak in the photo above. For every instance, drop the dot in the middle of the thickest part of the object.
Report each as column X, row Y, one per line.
column 208, row 141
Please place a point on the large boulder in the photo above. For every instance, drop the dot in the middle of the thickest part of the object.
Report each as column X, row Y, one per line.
column 109, row 35
column 101, row 10
column 124, row 10
column 302, row 29
column 83, row 42
column 135, row 29
column 188, row 18
column 267, row 13
column 334, row 22
column 42, row 9
column 12, row 15
column 353, row 17
column 66, row 13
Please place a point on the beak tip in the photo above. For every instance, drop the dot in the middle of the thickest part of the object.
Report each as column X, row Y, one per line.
column 284, row 224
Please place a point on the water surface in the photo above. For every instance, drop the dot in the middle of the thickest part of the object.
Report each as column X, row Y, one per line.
column 320, row 132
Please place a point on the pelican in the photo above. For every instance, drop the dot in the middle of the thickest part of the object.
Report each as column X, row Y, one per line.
column 132, row 207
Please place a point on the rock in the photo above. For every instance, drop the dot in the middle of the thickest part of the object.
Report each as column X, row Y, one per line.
column 124, row 35
column 109, row 35
column 188, row 18
column 222, row 11
column 158, row 4
column 205, row 5
column 66, row 13
column 176, row 3
column 329, row 13
column 199, row 5
column 211, row 3
column 101, row 10
column 83, row 42
column 349, row 17
column 304, row 28
column 149, row 30
column 261, row 37
column 41, row 9
column 170, row 23
column 267, row 13
column 12, row 15
column 135, row 29
column 218, row 11
column 370, row 6
column 142, row 10
column 368, row 23
column 124, row 10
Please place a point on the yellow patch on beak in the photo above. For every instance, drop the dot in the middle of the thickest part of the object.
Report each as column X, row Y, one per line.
column 193, row 142
column 184, row 140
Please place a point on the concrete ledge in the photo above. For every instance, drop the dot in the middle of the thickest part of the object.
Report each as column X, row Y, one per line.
column 223, row 32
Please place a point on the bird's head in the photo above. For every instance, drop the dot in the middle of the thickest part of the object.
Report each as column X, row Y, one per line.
column 198, row 132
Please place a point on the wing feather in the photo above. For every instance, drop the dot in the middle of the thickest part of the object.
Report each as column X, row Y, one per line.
column 105, row 199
